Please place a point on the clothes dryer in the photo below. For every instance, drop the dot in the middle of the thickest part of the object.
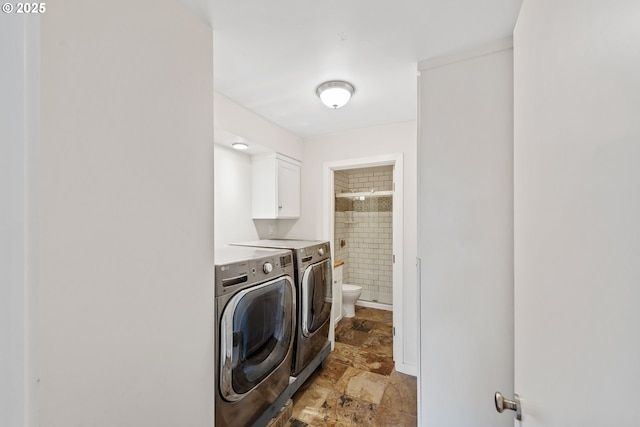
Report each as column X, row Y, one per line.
column 313, row 278
column 255, row 311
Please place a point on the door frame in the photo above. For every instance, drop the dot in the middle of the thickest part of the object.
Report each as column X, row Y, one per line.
column 395, row 160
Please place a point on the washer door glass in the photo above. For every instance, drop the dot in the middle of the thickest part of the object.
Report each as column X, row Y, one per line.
column 256, row 331
column 316, row 294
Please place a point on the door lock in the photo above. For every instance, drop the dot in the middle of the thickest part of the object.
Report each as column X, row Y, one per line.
column 503, row 403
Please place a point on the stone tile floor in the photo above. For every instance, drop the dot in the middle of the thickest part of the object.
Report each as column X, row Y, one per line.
column 358, row 386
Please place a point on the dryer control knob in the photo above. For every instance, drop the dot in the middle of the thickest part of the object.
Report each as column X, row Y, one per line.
column 320, row 251
column 267, row 267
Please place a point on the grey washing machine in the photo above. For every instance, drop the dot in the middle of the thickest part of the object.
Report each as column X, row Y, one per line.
column 255, row 312
column 313, row 278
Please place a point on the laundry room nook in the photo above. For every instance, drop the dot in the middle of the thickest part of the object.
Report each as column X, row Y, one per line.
column 222, row 213
column 269, row 196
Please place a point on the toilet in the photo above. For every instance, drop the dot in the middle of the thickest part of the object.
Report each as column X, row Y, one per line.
column 350, row 294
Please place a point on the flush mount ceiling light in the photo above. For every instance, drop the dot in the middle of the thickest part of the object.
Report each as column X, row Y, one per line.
column 240, row 145
column 335, row 94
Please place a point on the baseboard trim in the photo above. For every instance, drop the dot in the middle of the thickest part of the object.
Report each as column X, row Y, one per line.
column 378, row 305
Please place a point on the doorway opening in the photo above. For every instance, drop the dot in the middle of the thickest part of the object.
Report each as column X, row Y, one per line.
column 338, row 212
column 363, row 232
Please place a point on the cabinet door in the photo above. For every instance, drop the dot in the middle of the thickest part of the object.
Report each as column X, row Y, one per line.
column 288, row 190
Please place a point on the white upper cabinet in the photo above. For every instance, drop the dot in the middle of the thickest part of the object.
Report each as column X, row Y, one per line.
column 275, row 187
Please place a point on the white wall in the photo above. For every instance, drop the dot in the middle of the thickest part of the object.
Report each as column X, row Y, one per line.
column 233, row 172
column 233, row 221
column 466, row 236
column 234, row 118
column 356, row 144
column 577, row 194
column 126, row 216
column 19, row 120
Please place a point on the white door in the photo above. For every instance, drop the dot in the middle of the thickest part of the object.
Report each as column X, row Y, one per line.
column 466, row 237
column 577, row 212
column 288, row 189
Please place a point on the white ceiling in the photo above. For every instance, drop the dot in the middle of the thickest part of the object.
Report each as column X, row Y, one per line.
column 270, row 55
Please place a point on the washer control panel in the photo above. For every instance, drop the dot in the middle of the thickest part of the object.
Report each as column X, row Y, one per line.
column 313, row 254
column 240, row 267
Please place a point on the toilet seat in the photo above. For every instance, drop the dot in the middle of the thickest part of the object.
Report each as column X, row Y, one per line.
column 351, row 288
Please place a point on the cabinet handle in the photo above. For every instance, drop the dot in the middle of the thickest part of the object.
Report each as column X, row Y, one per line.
column 279, row 206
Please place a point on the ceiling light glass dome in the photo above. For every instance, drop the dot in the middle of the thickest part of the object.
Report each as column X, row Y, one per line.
column 335, row 94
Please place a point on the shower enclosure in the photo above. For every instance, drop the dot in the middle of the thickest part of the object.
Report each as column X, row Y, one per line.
column 363, row 230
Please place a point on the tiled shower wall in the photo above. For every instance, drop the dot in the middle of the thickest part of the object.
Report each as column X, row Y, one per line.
column 368, row 238
column 341, row 231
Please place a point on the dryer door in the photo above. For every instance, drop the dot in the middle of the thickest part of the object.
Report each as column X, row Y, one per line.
column 316, row 294
column 256, row 334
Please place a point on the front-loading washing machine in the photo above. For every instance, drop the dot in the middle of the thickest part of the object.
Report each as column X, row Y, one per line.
column 255, row 312
column 313, row 278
